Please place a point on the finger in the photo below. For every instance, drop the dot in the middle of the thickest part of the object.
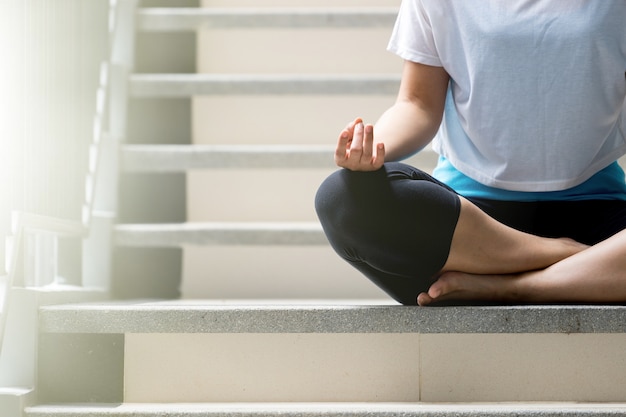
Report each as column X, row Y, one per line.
column 342, row 147
column 379, row 158
column 356, row 146
column 350, row 126
column 368, row 143
column 355, row 122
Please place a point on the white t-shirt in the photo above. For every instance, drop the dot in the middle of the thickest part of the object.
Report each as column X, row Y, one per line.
column 537, row 98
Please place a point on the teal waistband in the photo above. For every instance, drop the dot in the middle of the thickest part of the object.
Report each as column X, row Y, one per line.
column 607, row 184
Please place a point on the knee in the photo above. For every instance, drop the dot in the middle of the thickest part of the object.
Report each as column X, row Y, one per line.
column 367, row 192
column 327, row 194
column 345, row 194
column 330, row 201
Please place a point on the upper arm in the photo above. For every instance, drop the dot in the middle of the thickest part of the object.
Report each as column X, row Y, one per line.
column 424, row 86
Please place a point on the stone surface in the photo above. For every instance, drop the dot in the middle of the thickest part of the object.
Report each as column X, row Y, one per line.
column 183, row 158
column 188, row 85
column 326, row 317
column 156, row 19
column 333, row 410
column 220, row 233
column 180, row 158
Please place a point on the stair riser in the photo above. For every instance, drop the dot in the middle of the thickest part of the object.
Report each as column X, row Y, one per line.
column 374, row 367
column 271, row 368
column 272, row 272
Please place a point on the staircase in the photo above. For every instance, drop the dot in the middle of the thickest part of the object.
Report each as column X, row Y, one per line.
column 269, row 322
column 255, row 87
column 178, row 358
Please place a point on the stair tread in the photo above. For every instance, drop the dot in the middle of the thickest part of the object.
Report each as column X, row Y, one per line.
column 174, row 158
column 333, row 409
column 314, row 316
column 186, row 85
column 190, row 19
column 184, row 157
column 220, row 233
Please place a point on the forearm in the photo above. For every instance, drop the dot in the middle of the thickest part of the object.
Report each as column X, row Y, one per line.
column 406, row 128
column 412, row 122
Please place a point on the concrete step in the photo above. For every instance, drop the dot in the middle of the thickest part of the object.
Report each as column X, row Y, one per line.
column 315, row 316
column 180, row 158
column 188, row 85
column 192, row 19
column 220, row 233
column 330, row 410
column 321, row 352
column 172, row 158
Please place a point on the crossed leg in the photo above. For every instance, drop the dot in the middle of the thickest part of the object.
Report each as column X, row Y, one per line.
column 383, row 223
column 503, row 264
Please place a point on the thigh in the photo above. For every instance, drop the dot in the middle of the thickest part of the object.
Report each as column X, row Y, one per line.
column 587, row 221
column 522, row 216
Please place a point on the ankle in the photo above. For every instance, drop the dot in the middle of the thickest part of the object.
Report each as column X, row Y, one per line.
column 570, row 247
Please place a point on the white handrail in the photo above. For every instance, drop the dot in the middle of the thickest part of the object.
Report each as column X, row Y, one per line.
column 106, row 126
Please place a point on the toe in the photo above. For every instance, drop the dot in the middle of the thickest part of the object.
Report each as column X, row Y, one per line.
column 424, row 299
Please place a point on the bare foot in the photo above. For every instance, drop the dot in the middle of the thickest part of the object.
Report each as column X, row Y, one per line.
column 460, row 286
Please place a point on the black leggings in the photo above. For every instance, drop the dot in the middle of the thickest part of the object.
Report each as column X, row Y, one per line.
column 395, row 225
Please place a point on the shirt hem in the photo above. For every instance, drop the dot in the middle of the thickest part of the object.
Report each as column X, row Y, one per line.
column 536, row 186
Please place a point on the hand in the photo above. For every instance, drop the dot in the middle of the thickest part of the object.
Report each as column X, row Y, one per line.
column 355, row 148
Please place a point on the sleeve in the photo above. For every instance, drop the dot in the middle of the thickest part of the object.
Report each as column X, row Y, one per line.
column 412, row 36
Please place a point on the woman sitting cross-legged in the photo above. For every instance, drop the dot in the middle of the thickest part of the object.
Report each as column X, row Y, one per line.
column 525, row 103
